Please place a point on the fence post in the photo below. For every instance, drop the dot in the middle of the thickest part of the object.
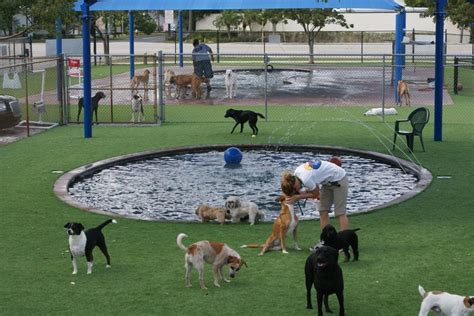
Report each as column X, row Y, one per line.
column 175, row 47
column 218, row 47
column 111, row 90
column 413, row 46
column 26, row 102
column 362, row 46
column 265, row 62
column 456, row 74
column 383, row 88
column 160, row 84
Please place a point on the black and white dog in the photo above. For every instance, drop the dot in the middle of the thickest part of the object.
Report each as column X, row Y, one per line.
column 137, row 108
column 82, row 243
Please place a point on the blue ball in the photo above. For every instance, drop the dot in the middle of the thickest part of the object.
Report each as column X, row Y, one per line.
column 233, row 155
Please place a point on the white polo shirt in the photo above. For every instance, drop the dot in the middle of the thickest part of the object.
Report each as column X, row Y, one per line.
column 319, row 172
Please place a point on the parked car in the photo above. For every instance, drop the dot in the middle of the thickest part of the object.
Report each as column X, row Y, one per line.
column 10, row 112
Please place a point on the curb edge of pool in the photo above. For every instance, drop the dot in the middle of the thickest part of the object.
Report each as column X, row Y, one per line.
column 61, row 186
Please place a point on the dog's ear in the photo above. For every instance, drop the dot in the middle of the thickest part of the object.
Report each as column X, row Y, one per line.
column 468, row 301
column 68, row 224
column 80, row 227
column 237, row 203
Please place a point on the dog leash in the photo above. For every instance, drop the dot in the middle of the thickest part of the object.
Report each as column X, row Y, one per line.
column 299, row 206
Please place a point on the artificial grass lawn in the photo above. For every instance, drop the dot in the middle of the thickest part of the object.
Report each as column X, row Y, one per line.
column 425, row 240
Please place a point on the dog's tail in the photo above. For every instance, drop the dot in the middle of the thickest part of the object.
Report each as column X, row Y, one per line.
column 261, row 115
column 179, row 241
column 422, row 291
column 107, row 222
column 356, row 229
column 252, row 246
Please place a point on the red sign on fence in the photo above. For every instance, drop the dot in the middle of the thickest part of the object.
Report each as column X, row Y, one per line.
column 74, row 63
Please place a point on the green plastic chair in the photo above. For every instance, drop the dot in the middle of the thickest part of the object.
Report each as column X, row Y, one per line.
column 418, row 119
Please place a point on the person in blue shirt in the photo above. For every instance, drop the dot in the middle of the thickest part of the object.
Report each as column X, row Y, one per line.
column 202, row 56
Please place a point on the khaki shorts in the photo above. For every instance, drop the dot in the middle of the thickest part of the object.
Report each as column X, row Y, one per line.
column 333, row 194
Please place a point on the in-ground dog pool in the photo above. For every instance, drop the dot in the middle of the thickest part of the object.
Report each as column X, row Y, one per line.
column 169, row 185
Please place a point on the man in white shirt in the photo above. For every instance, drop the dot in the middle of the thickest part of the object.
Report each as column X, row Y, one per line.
column 306, row 181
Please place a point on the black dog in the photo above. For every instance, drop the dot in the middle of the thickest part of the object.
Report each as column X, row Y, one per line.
column 241, row 117
column 82, row 243
column 322, row 270
column 341, row 240
column 95, row 104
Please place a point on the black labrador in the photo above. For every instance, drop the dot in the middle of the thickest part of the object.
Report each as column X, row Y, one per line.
column 323, row 271
column 95, row 104
column 341, row 240
column 241, row 117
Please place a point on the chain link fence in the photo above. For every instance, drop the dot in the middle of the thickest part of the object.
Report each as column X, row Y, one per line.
column 282, row 87
column 37, row 84
column 307, row 87
column 110, row 77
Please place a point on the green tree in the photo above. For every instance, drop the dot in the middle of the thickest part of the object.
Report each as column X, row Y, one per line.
column 44, row 14
column 144, row 22
column 275, row 17
column 460, row 12
column 249, row 17
column 228, row 18
column 313, row 21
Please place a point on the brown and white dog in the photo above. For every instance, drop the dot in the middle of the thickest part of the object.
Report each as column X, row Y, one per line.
column 403, row 91
column 141, row 79
column 207, row 213
column 216, row 253
column 445, row 303
column 285, row 224
column 182, row 81
column 239, row 209
column 167, row 81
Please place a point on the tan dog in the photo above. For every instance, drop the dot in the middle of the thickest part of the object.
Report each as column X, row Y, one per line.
column 182, row 81
column 207, row 213
column 168, row 75
column 216, row 253
column 403, row 91
column 141, row 79
column 285, row 224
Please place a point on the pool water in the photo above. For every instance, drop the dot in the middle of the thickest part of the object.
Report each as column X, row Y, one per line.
column 172, row 187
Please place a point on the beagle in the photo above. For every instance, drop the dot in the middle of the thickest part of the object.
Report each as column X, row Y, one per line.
column 443, row 302
column 284, row 225
column 216, row 253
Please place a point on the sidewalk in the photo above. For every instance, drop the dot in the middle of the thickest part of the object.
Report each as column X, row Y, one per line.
column 150, row 48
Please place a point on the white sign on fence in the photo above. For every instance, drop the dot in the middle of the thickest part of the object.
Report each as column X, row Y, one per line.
column 169, row 17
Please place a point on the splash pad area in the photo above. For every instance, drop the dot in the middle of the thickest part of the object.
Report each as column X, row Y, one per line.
column 170, row 184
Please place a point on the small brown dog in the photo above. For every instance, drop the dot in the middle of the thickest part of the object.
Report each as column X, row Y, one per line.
column 182, row 81
column 285, row 224
column 403, row 91
column 207, row 213
column 141, row 79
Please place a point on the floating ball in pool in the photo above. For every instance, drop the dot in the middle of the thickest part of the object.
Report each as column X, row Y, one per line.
column 233, row 156
column 336, row 160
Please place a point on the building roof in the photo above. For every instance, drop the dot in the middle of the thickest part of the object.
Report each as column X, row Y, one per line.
column 127, row 5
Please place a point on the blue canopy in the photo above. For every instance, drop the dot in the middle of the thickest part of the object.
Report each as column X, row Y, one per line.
column 126, row 5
